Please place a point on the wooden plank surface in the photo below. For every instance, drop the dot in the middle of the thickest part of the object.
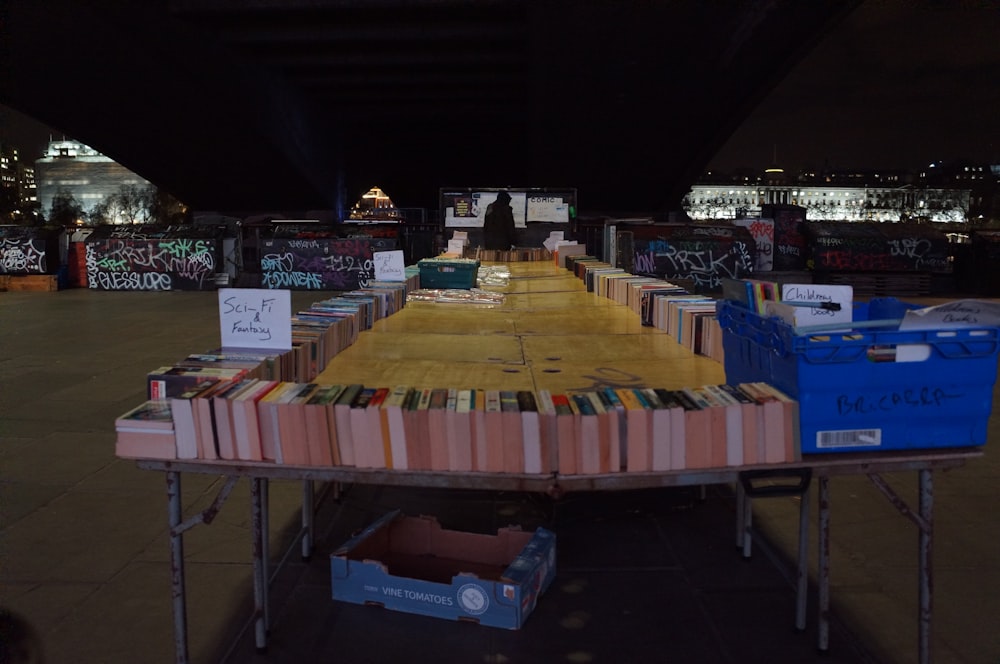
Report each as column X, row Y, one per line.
column 562, row 341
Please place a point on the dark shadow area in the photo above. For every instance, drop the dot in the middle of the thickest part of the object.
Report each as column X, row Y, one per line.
column 645, row 576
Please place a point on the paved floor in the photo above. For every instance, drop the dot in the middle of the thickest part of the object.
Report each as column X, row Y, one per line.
column 84, row 552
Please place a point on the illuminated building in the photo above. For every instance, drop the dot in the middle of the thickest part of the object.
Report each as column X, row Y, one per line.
column 17, row 186
column 375, row 206
column 83, row 172
column 843, row 196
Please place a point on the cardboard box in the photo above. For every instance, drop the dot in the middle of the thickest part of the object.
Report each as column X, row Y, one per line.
column 412, row 564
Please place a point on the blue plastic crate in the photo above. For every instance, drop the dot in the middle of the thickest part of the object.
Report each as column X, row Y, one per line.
column 448, row 273
column 853, row 396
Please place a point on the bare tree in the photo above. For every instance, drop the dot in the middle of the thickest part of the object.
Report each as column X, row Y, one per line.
column 66, row 210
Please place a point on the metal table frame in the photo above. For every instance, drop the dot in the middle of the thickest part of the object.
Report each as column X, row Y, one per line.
column 821, row 467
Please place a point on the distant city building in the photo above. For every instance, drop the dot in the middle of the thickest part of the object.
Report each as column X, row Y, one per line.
column 834, row 196
column 83, row 172
column 17, row 186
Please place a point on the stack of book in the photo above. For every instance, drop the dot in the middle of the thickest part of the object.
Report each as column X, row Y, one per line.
column 471, row 430
column 183, row 417
column 688, row 318
column 513, row 255
column 146, row 431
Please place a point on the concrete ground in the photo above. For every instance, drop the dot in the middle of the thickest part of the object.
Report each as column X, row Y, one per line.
column 84, row 549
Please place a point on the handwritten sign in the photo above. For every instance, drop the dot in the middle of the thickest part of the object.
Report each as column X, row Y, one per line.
column 389, row 266
column 957, row 314
column 801, row 296
column 255, row 318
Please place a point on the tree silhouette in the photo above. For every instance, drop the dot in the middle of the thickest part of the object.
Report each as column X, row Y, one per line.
column 66, row 210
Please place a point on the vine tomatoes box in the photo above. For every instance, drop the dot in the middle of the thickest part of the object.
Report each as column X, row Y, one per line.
column 412, row 564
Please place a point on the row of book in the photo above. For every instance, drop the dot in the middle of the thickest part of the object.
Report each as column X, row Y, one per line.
column 319, row 333
column 464, row 430
column 515, row 254
column 688, row 318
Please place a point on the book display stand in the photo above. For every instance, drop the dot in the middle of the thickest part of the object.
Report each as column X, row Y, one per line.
column 550, row 334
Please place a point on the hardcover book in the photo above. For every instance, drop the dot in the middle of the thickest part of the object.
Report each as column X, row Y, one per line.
column 267, row 416
column 437, row 429
column 697, row 429
column 377, row 442
column 566, row 431
column 513, row 433
column 223, row 412
column 531, row 433
column 460, row 431
column 153, row 414
column 771, row 426
column 494, row 432
column 321, row 437
column 167, row 382
column 396, row 426
column 678, row 430
column 292, row 424
column 246, row 423
column 359, row 425
column 185, row 425
column 146, row 432
column 637, row 455
column 342, row 419
column 752, row 421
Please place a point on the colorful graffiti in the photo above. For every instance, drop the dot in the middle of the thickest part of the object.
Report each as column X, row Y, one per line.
column 320, row 263
column 144, row 258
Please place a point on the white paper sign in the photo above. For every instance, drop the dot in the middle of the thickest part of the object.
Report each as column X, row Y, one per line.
column 389, row 265
column 547, row 208
column 958, row 314
column 804, row 295
column 255, row 318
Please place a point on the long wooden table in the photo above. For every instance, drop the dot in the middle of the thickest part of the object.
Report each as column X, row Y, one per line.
column 548, row 334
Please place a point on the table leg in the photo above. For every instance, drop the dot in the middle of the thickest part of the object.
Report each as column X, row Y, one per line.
column 175, row 515
column 824, row 564
column 259, row 564
column 926, row 506
column 265, row 547
column 747, row 518
column 740, row 497
column 308, row 517
column 802, row 578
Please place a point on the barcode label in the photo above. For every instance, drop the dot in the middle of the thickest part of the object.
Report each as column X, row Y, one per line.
column 849, row 438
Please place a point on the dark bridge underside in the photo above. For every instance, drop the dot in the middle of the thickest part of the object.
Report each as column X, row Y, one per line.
column 273, row 105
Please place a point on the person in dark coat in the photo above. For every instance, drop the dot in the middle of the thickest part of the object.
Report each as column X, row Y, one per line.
column 498, row 227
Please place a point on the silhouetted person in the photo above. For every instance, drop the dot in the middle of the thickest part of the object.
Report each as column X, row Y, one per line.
column 498, row 227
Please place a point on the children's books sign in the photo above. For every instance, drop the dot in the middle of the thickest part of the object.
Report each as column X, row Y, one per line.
column 255, row 318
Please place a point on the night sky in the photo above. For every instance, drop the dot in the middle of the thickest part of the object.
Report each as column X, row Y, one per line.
column 897, row 84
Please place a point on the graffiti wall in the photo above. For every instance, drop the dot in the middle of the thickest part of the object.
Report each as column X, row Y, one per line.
column 153, row 258
column 762, row 232
column 28, row 250
column 790, row 247
column 877, row 247
column 697, row 253
column 320, row 263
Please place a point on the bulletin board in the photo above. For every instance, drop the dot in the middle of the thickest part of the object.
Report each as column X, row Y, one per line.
column 466, row 206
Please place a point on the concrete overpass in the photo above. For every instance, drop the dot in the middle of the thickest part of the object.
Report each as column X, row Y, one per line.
column 304, row 104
